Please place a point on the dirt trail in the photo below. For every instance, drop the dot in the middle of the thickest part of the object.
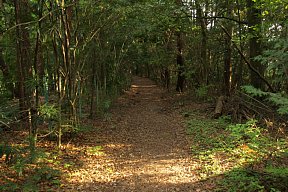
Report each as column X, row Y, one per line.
column 144, row 147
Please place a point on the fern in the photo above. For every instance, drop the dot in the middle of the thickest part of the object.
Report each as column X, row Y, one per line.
column 249, row 89
column 276, row 98
column 280, row 101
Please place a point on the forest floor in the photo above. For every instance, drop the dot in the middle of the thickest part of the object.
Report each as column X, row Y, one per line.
column 152, row 140
column 144, row 146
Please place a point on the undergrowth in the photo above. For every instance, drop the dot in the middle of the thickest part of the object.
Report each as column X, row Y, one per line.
column 22, row 170
column 241, row 157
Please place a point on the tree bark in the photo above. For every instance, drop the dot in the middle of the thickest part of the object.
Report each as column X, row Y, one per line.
column 180, row 63
column 179, row 56
column 228, row 55
column 254, row 24
column 25, row 69
column 23, row 53
column 219, row 107
column 248, row 63
column 203, row 51
column 238, row 80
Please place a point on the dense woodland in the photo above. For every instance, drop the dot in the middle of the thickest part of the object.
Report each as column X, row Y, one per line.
column 64, row 61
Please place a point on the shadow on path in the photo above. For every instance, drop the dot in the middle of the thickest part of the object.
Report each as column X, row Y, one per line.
column 144, row 144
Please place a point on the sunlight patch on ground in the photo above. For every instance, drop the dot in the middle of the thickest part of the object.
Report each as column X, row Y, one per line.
column 143, row 86
column 157, row 172
column 167, row 170
column 117, row 146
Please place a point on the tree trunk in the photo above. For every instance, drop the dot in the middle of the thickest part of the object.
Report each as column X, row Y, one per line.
column 180, row 63
column 238, row 80
column 179, row 56
column 93, row 86
column 23, row 52
column 228, row 54
column 38, row 58
column 25, row 69
column 227, row 65
column 203, row 51
column 254, row 23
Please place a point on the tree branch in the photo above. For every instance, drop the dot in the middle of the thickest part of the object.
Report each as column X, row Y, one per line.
column 247, row 62
column 217, row 17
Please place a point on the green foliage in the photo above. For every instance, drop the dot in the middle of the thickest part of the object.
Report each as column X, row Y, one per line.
column 232, row 150
column 140, row 35
column 43, row 174
column 7, row 151
column 96, row 150
column 277, row 171
column 240, row 179
column 244, row 132
column 36, row 172
column 49, row 111
column 85, row 128
column 8, row 113
column 203, row 131
column 276, row 59
column 254, row 91
column 10, row 186
column 203, row 92
column 225, row 119
column 18, row 157
column 281, row 101
column 273, row 179
column 106, row 105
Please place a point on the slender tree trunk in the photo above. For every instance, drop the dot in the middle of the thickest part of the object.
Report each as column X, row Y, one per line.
column 26, row 100
column 180, row 63
column 179, row 57
column 93, row 87
column 239, row 70
column 254, row 23
column 203, row 51
column 38, row 57
column 23, row 55
column 228, row 54
column 227, row 65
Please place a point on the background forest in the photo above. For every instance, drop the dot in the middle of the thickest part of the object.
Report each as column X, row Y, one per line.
column 63, row 61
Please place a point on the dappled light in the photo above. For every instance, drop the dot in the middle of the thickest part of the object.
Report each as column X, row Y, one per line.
column 157, row 143
column 143, row 86
column 143, row 96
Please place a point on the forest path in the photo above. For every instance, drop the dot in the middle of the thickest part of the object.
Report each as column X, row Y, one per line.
column 144, row 147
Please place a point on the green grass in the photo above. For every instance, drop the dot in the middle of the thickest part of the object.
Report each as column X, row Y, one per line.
column 244, row 157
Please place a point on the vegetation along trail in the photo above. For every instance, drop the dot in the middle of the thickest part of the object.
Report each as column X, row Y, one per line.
column 71, row 120
column 152, row 140
column 145, row 148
